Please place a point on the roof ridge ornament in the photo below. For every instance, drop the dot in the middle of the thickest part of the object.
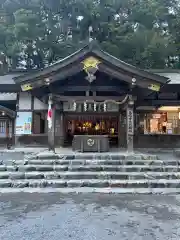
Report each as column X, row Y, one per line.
column 92, row 42
column 90, row 77
column 91, row 67
column 90, row 33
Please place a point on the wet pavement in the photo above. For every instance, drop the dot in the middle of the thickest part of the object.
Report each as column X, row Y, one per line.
column 36, row 216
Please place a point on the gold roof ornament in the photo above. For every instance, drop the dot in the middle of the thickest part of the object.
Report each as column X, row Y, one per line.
column 154, row 87
column 90, row 63
column 90, row 67
column 26, row 87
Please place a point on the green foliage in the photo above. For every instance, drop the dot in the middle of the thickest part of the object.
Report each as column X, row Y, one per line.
column 145, row 33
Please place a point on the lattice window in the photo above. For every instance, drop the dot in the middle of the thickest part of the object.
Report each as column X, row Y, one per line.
column 3, row 128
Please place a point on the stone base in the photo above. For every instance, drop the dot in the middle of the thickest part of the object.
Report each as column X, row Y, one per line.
column 157, row 191
column 91, row 143
column 177, row 153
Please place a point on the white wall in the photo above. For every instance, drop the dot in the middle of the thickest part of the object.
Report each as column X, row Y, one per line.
column 38, row 105
column 24, row 101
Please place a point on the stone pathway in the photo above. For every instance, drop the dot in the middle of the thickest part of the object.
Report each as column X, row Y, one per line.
column 89, row 217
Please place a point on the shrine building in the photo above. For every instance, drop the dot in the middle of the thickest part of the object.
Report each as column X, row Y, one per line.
column 91, row 95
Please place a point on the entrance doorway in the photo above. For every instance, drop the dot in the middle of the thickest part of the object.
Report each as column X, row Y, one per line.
column 92, row 125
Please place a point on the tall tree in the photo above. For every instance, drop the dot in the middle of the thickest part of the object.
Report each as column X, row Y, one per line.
column 36, row 33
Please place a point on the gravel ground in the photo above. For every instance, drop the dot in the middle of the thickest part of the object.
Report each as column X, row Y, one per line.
column 36, row 216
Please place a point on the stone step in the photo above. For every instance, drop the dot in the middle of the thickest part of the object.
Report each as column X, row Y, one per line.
column 96, row 168
column 151, row 184
column 45, row 155
column 91, row 156
column 90, row 175
column 102, row 190
column 91, row 162
column 111, row 157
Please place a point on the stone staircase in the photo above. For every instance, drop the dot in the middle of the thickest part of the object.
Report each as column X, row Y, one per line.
column 118, row 173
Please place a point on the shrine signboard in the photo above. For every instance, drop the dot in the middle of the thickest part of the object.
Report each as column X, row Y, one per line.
column 130, row 121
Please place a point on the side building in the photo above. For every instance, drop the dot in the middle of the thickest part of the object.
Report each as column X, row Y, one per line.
column 91, row 93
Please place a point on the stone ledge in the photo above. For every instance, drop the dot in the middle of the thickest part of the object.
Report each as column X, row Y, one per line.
column 74, row 162
column 48, row 155
column 45, row 155
column 118, row 184
column 101, row 175
column 177, row 153
column 78, row 190
column 90, row 168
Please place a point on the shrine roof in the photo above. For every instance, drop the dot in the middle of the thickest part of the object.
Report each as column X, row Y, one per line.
column 172, row 74
column 91, row 49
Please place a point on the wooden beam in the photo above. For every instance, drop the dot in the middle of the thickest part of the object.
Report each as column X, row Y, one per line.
column 9, row 88
column 166, row 102
column 88, row 98
column 158, row 103
column 168, row 88
column 144, row 83
column 170, row 96
column 67, row 88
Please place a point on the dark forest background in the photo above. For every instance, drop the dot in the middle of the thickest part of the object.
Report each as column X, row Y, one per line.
column 36, row 33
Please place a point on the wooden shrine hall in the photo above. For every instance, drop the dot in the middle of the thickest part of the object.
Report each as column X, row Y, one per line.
column 92, row 101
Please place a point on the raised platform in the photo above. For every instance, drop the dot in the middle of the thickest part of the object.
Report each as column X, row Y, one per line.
column 90, row 143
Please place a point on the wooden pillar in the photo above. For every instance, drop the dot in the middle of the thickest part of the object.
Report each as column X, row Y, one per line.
column 73, row 126
column 178, row 121
column 61, row 129
column 15, row 120
column 119, row 130
column 130, row 124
